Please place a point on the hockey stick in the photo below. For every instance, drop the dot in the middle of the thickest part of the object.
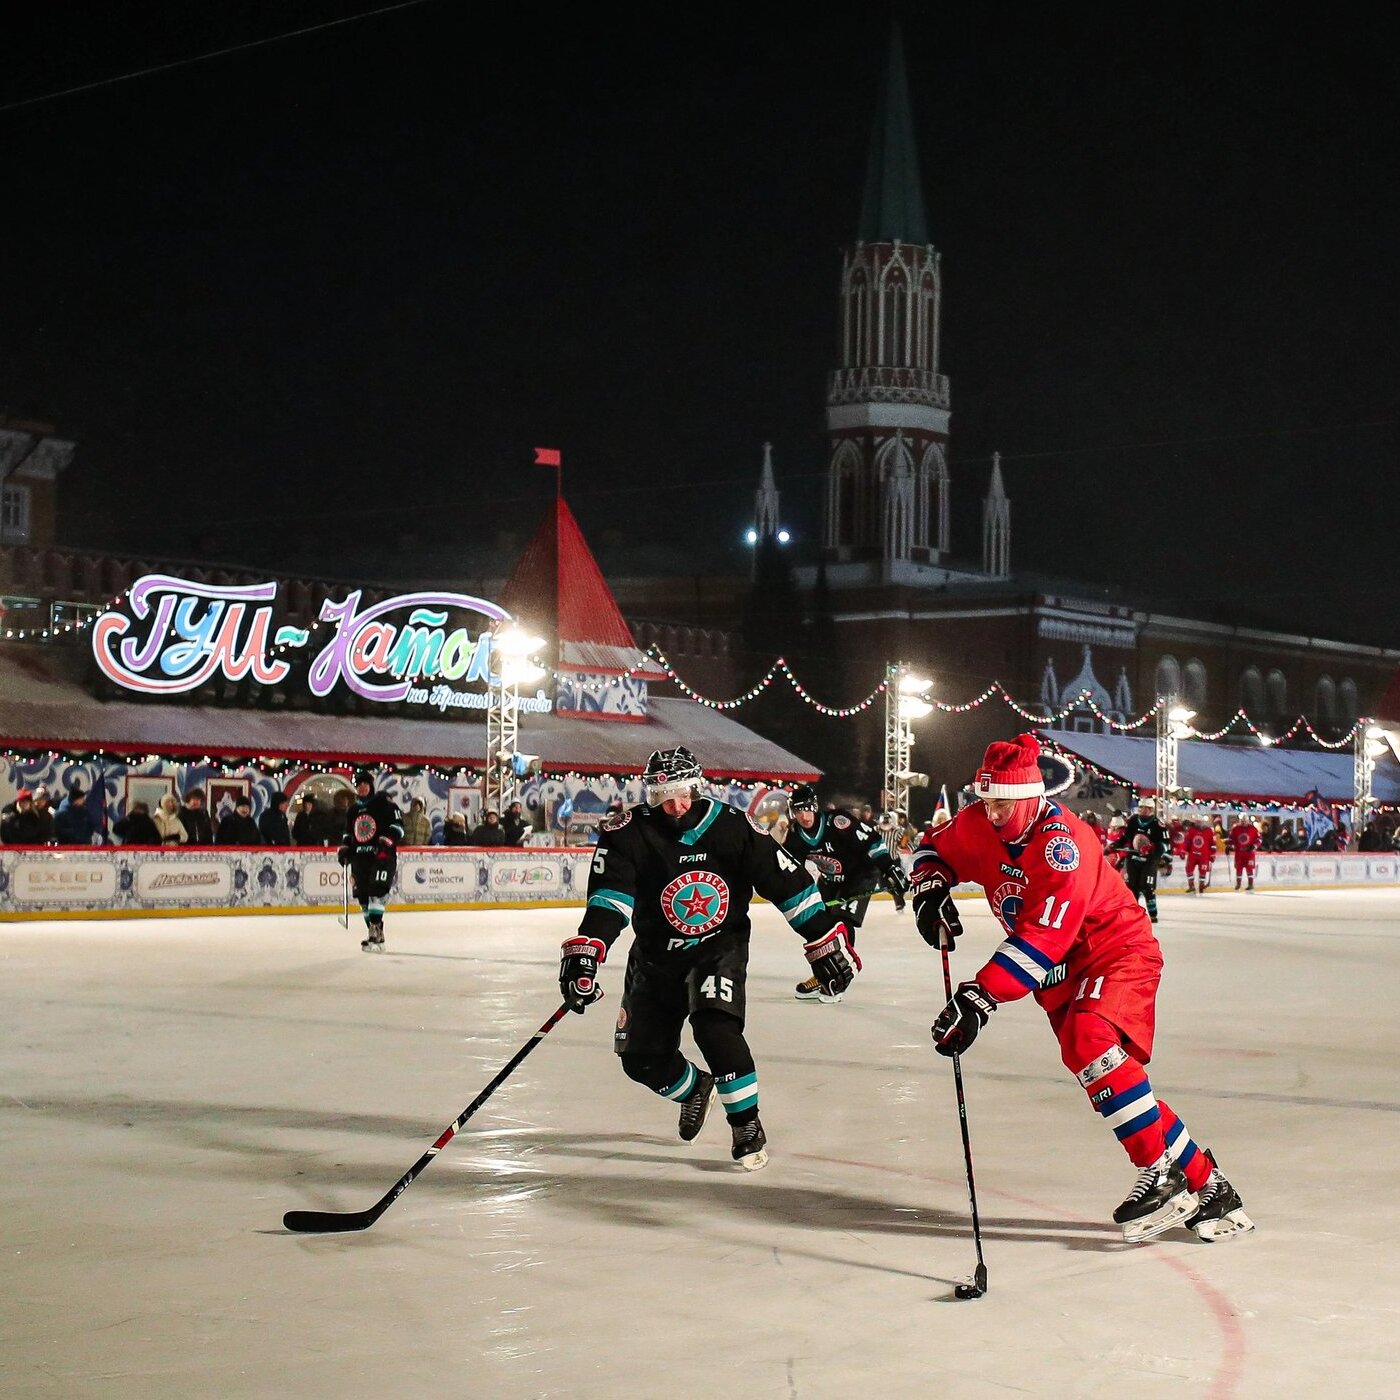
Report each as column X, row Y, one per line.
column 977, row 1286
column 344, row 919
column 329, row 1222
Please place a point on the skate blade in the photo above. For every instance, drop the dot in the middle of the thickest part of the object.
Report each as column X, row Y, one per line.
column 1173, row 1213
column 812, row 996
column 829, row 998
column 1226, row 1228
column 753, row 1161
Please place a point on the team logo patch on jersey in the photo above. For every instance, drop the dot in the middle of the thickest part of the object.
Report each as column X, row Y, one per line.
column 696, row 902
column 828, row 867
column 622, row 1018
column 1061, row 853
column 1006, row 905
column 615, row 821
column 365, row 827
column 840, row 823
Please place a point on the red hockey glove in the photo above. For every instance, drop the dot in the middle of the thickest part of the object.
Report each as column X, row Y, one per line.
column 578, row 972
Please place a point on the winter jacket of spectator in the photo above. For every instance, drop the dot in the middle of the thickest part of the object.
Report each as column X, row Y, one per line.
column 489, row 834
column 73, row 824
column 137, row 829
column 514, row 828
column 199, row 830
column 21, row 828
column 238, row 830
column 417, row 829
column 455, row 836
column 273, row 827
column 168, row 823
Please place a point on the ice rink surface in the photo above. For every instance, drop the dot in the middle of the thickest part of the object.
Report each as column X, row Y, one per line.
column 171, row 1087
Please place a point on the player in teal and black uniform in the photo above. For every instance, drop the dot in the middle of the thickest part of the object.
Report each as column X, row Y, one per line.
column 370, row 847
column 682, row 869
column 852, row 860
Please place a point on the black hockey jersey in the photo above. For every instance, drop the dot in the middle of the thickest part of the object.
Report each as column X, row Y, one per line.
column 1148, row 827
column 369, row 818
column 678, row 884
column 851, row 857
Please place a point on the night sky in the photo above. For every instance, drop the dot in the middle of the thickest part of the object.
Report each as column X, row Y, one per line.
column 326, row 294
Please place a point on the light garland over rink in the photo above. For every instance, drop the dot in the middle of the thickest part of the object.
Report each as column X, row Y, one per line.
column 996, row 690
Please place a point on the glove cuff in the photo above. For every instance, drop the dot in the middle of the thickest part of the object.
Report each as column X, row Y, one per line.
column 580, row 946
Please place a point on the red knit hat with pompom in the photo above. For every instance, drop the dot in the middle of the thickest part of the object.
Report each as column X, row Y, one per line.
column 1010, row 769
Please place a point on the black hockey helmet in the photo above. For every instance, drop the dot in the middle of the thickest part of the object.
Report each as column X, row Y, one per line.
column 803, row 799
column 671, row 773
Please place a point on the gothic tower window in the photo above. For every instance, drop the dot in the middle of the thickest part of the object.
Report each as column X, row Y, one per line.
column 1277, row 687
column 1252, row 692
column 1325, row 698
column 1195, row 677
column 1168, row 679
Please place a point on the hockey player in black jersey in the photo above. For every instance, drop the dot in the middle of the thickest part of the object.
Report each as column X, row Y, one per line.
column 682, row 870
column 369, row 847
column 1144, row 841
column 852, row 859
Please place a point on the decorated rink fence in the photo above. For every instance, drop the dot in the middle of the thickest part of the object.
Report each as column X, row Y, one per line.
column 126, row 881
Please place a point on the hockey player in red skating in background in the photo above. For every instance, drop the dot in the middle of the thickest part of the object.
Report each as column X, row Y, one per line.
column 1077, row 940
column 1200, row 854
column 1243, row 841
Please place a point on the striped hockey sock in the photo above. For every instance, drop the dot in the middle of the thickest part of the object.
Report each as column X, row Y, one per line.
column 739, row 1095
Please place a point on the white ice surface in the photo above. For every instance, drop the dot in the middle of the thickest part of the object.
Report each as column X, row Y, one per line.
column 171, row 1087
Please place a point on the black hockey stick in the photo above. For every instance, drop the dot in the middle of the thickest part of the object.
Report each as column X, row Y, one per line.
column 344, row 919
column 330, row 1222
column 977, row 1286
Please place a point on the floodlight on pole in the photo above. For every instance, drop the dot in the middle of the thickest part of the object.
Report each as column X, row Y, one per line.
column 905, row 690
column 512, row 647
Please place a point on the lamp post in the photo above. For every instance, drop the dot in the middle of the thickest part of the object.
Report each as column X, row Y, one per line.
column 904, row 703
column 1173, row 725
column 1370, row 742
column 511, row 649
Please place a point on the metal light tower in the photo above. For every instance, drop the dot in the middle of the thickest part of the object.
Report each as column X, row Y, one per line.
column 904, row 703
column 1367, row 746
column 511, row 648
column 1173, row 725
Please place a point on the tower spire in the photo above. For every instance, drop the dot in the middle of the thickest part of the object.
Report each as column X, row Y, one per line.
column 996, row 525
column 893, row 207
column 765, row 500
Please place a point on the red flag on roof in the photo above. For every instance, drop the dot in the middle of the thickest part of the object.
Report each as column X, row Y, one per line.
column 548, row 457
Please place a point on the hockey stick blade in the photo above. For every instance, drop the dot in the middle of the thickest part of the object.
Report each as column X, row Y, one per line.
column 976, row 1287
column 330, row 1222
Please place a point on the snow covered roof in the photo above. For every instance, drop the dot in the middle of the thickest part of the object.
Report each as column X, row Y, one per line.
column 1230, row 772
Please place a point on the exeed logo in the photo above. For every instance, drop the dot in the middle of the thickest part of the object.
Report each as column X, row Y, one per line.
column 64, row 877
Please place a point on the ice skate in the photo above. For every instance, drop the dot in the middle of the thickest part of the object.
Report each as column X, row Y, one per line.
column 750, row 1145
column 810, row 990
column 1219, row 1214
column 696, row 1105
column 1160, row 1198
column 373, row 941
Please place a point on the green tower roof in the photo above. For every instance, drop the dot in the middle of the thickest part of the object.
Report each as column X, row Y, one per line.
column 893, row 206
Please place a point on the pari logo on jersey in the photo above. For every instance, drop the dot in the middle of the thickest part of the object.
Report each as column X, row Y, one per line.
column 695, row 902
column 365, row 827
column 1006, row 904
column 1062, row 854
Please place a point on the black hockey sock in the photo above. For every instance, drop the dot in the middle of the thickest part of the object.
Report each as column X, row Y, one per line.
column 672, row 1076
column 721, row 1041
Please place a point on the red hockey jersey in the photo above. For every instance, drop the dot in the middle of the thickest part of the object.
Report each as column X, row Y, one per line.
column 1244, row 838
column 1066, row 912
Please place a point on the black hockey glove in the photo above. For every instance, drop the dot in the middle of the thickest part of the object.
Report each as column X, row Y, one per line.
column 578, row 972
column 343, row 855
column 897, row 883
column 935, row 912
column 958, row 1023
column 834, row 961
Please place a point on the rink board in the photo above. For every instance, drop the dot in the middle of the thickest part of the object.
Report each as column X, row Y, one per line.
column 42, row 882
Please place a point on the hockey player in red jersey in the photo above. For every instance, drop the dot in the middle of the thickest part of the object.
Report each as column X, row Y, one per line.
column 1200, row 854
column 1077, row 940
column 1244, row 840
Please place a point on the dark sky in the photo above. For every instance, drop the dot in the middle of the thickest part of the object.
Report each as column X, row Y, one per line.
column 332, row 290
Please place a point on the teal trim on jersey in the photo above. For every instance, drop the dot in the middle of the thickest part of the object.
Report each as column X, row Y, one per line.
column 801, row 907
column 811, row 838
column 682, row 1087
column 739, row 1094
column 689, row 838
column 615, row 900
column 879, row 849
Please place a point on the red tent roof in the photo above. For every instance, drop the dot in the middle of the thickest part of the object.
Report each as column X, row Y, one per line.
column 558, row 588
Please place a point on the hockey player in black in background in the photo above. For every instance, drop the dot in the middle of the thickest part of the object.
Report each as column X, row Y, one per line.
column 682, row 869
column 1144, row 840
column 852, row 859
column 369, row 846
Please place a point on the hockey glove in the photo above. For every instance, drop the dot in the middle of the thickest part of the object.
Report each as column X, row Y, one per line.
column 935, row 913
column 897, row 883
column 834, row 961
column 578, row 972
column 343, row 855
column 958, row 1023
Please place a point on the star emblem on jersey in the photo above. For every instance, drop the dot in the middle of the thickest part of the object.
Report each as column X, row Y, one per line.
column 696, row 902
column 1061, row 853
column 365, row 827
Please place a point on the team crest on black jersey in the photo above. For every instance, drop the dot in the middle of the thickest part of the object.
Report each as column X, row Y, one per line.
column 365, row 827
column 828, row 867
column 840, row 823
column 695, row 902
column 615, row 821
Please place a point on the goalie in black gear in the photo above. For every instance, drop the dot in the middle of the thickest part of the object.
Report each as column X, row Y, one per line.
column 852, row 860
column 682, row 868
column 369, row 847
